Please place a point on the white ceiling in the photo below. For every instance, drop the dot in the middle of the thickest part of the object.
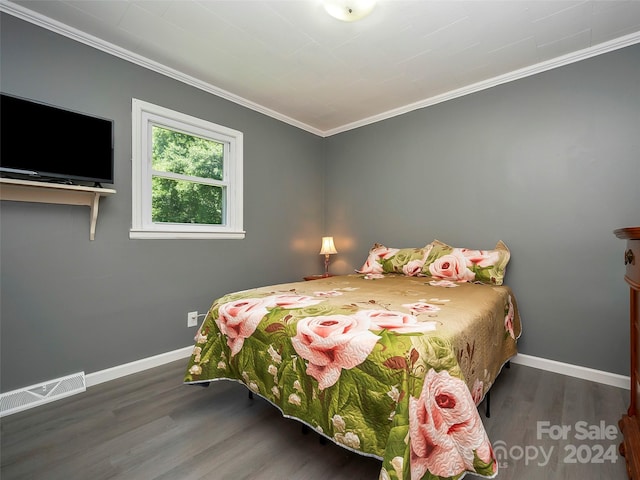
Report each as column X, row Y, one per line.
column 290, row 60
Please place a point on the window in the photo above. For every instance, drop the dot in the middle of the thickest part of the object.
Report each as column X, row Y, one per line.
column 187, row 176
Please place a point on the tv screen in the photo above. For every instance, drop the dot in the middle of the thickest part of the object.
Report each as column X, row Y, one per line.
column 47, row 142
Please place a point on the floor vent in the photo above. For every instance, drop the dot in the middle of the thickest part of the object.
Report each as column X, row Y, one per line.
column 29, row 397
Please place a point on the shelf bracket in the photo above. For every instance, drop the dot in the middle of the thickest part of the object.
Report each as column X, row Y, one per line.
column 41, row 192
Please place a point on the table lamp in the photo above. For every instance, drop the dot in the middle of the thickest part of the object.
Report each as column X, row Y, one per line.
column 328, row 248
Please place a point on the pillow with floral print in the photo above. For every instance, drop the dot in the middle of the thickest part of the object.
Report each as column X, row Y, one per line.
column 467, row 265
column 408, row 261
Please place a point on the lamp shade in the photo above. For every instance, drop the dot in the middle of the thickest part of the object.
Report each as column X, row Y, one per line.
column 328, row 248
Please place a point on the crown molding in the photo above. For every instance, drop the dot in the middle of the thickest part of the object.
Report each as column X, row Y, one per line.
column 574, row 57
column 82, row 37
column 107, row 47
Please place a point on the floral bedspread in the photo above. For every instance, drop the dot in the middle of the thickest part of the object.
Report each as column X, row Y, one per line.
column 391, row 367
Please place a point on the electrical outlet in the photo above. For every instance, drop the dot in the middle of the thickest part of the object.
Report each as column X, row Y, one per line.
column 192, row 319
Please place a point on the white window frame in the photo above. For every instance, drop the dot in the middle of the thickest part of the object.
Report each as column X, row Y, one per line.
column 146, row 115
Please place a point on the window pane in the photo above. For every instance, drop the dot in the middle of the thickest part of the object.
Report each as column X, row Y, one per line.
column 179, row 201
column 186, row 154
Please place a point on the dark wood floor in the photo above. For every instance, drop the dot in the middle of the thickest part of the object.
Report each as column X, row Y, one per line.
column 150, row 426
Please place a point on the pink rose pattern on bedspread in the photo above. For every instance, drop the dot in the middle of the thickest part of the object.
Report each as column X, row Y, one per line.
column 238, row 320
column 332, row 343
column 446, row 436
column 377, row 377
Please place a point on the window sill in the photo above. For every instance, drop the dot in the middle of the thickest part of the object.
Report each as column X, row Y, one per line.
column 148, row 234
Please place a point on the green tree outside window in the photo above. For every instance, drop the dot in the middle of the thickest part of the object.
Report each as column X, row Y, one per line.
column 187, row 179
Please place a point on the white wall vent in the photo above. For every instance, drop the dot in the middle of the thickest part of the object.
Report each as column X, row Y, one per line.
column 45, row 392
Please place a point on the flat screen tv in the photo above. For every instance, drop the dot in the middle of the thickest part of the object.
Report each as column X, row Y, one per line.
column 45, row 142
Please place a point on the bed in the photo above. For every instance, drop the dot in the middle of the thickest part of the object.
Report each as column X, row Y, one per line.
column 390, row 362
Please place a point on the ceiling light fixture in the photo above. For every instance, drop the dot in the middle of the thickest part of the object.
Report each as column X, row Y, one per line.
column 349, row 10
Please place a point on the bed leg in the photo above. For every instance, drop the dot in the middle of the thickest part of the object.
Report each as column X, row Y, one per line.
column 250, row 395
column 508, row 364
column 487, row 411
column 321, row 438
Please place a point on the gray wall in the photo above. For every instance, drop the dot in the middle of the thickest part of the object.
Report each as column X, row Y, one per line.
column 549, row 164
column 69, row 304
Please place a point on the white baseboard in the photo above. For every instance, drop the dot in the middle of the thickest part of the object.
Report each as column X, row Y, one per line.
column 576, row 371
column 119, row 371
column 138, row 366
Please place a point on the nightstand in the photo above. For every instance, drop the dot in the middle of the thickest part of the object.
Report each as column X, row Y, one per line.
column 317, row 277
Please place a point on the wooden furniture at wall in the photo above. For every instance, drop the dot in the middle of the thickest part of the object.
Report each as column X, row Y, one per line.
column 43, row 192
column 630, row 423
column 317, row 277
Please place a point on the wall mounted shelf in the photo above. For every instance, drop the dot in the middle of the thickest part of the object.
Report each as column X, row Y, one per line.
column 42, row 192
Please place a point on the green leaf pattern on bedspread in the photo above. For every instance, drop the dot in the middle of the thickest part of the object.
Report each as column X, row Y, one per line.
column 378, row 379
